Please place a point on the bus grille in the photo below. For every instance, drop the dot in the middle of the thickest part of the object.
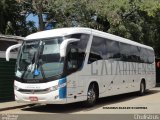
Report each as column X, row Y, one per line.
column 43, row 91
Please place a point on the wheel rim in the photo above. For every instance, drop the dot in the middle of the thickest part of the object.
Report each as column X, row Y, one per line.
column 91, row 96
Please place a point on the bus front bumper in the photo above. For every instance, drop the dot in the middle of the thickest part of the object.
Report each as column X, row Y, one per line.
column 48, row 98
column 54, row 92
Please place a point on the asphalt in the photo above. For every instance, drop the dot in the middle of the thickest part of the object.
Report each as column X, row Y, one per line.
column 4, row 106
column 12, row 105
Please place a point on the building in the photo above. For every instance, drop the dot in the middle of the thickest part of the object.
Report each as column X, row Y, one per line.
column 7, row 68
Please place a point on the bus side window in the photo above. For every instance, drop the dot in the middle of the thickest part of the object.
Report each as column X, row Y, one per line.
column 74, row 61
column 112, row 50
column 125, row 52
column 81, row 45
column 134, row 53
column 96, row 50
column 151, row 58
column 144, row 55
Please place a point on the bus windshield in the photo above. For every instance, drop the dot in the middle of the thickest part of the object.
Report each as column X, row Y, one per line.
column 40, row 59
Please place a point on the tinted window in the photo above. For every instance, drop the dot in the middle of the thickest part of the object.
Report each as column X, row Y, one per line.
column 143, row 55
column 103, row 48
column 112, row 50
column 134, row 53
column 125, row 52
column 84, row 38
column 81, row 46
column 97, row 50
column 151, row 57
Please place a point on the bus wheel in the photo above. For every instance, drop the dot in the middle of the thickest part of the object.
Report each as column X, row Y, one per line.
column 92, row 95
column 142, row 88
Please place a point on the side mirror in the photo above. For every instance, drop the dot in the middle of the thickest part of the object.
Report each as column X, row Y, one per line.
column 65, row 43
column 9, row 50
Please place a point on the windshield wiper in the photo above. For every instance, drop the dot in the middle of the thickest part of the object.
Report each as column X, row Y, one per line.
column 37, row 61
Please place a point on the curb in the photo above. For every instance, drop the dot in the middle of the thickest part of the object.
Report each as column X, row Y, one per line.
column 15, row 107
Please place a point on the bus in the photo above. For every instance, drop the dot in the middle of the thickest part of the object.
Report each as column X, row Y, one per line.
column 68, row 65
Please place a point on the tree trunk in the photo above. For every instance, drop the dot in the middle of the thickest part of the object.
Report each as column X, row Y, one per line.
column 38, row 6
column 40, row 19
column 40, row 16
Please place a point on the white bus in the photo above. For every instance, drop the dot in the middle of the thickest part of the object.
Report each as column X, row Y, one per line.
column 80, row 64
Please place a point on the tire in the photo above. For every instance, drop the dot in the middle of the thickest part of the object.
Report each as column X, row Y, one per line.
column 92, row 96
column 142, row 88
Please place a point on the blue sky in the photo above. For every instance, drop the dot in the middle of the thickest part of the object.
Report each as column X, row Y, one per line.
column 34, row 18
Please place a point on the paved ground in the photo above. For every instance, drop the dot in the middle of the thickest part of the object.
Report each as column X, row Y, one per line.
column 11, row 105
column 121, row 104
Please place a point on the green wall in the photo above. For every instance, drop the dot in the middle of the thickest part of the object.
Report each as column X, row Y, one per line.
column 7, row 79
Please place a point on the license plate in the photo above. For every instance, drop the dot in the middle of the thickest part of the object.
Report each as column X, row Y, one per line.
column 32, row 98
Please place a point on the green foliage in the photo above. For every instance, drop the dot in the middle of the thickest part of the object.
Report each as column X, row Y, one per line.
column 69, row 13
column 138, row 20
column 36, row 7
column 12, row 21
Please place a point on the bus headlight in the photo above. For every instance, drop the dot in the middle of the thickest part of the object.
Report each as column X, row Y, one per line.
column 16, row 88
column 53, row 88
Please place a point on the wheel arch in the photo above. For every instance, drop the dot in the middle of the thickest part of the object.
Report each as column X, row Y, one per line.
column 96, row 85
column 144, row 81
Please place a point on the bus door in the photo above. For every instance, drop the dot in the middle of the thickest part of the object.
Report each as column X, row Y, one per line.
column 71, row 68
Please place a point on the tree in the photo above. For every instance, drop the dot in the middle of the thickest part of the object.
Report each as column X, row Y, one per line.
column 140, row 22
column 8, row 15
column 137, row 20
column 12, row 21
column 36, row 7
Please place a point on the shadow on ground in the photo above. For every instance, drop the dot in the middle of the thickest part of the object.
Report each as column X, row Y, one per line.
column 77, row 107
